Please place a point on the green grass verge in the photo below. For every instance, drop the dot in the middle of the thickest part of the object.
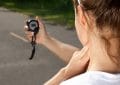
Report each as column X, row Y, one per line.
column 55, row 16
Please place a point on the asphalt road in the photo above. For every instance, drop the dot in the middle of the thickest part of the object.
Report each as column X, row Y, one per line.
column 15, row 67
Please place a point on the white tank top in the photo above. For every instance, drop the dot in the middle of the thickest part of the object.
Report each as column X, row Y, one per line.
column 94, row 78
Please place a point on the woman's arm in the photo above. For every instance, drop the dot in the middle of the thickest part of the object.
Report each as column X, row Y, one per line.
column 62, row 50
column 57, row 79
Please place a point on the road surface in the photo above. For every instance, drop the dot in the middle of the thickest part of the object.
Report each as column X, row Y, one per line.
column 15, row 67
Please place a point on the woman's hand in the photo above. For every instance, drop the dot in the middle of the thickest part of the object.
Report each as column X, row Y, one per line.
column 42, row 35
column 78, row 63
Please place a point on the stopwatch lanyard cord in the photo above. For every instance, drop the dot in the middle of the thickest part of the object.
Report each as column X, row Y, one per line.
column 33, row 43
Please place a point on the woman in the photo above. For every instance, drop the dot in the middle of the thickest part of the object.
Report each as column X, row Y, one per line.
column 98, row 25
column 99, row 22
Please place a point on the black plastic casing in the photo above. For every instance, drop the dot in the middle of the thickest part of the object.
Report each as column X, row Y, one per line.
column 36, row 25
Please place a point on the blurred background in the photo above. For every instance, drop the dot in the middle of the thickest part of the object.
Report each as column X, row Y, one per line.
column 15, row 50
column 57, row 11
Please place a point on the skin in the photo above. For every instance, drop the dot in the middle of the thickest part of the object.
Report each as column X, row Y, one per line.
column 67, row 51
column 77, row 65
column 88, row 35
column 88, row 58
column 80, row 60
column 62, row 50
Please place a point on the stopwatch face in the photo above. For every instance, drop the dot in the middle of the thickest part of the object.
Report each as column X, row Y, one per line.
column 33, row 25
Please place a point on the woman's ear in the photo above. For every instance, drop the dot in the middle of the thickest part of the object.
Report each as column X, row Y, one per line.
column 82, row 26
column 82, row 17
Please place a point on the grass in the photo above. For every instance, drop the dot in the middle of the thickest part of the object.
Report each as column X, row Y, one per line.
column 58, row 15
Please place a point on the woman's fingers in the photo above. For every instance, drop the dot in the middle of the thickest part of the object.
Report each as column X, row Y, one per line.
column 29, row 34
column 78, row 63
column 41, row 36
column 40, row 21
column 26, row 28
column 80, row 54
column 41, row 25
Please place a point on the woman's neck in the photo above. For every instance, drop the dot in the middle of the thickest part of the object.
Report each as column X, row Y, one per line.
column 99, row 58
